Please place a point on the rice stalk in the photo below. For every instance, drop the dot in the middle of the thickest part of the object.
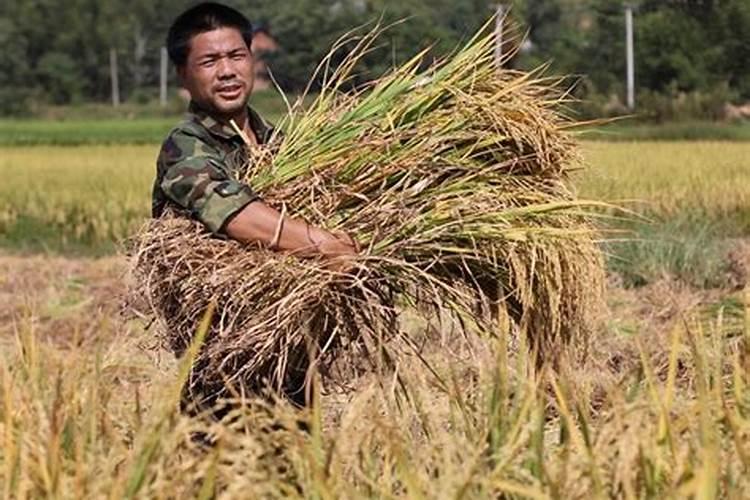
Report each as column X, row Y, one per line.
column 453, row 179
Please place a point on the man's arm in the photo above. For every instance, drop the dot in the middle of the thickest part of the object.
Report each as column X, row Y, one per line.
column 195, row 178
column 259, row 222
column 192, row 174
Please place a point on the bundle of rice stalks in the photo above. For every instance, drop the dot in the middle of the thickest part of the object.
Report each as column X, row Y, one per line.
column 453, row 179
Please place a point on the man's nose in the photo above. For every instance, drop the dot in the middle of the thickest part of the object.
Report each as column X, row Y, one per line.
column 226, row 68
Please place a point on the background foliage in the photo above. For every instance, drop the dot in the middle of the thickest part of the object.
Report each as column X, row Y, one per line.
column 690, row 52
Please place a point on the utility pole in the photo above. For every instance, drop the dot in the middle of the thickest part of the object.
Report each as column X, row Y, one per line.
column 629, row 56
column 163, row 78
column 500, row 11
column 114, row 77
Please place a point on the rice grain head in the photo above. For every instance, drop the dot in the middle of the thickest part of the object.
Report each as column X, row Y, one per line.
column 453, row 179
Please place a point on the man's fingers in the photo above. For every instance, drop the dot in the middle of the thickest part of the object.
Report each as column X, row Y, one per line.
column 348, row 239
column 343, row 265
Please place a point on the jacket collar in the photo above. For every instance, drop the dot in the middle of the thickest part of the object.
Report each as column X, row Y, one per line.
column 263, row 130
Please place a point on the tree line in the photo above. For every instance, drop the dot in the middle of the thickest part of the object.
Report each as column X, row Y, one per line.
column 694, row 51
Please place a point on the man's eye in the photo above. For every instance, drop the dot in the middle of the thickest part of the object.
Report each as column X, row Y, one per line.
column 238, row 56
column 207, row 63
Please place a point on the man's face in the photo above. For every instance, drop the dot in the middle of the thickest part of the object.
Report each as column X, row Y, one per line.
column 218, row 72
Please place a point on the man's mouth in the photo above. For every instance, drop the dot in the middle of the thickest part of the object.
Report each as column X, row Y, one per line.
column 229, row 91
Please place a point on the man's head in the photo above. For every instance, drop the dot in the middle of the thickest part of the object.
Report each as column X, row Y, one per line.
column 210, row 46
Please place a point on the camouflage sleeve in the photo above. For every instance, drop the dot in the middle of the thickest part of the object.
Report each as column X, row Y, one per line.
column 195, row 177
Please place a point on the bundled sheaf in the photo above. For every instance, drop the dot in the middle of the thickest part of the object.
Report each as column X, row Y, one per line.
column 453, row 179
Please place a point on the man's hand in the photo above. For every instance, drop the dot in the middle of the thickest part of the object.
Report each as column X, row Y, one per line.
column 338, row 248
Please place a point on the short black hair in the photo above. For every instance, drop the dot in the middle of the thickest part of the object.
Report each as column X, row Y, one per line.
column 206, row 16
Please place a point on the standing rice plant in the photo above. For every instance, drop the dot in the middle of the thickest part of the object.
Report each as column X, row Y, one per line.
column 95, row 418
column 454, row 179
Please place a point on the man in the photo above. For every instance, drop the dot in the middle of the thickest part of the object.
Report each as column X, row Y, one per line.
column 198, row 166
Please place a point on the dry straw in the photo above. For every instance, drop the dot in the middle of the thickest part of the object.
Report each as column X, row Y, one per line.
column 453, row 179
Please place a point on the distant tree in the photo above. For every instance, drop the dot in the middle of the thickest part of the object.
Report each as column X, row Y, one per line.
column 306, row 29
column 60, row 77
column 730, row 38
column 59, row 51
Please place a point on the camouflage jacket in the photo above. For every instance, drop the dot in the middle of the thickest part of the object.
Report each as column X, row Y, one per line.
column 199, row 166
